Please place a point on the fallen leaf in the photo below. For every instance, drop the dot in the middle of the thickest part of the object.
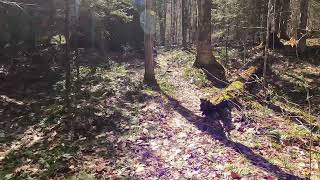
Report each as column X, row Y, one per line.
column 235, row 175
column 140, row 169
column 100, row 167
column 293, row 42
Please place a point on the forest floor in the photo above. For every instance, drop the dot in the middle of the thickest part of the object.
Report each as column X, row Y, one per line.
column 120, row 129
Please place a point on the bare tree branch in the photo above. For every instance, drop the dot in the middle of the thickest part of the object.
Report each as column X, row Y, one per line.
column 15, row 4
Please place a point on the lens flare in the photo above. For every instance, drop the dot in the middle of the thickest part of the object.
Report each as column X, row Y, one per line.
column 148, row 21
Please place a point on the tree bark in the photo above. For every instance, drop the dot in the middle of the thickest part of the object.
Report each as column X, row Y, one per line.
column 184, row 23
column 294, row 19
column 205, row 58
column 172, row 23
column 304, row 6
column 284, row 18
column 162, row 16
column 149, row 76
column 168, row 24
column 277, row 16
column 176, row 19
column 67, row 56
column 195, row 22
column 189, row 10
column 52, row 12
column 266, row 51
column 92, row 29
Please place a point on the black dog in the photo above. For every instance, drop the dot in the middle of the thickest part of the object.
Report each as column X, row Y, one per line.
column 220, row 112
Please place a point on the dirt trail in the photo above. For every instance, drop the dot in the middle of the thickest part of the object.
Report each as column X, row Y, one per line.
column 191, row 146
column 186, row 149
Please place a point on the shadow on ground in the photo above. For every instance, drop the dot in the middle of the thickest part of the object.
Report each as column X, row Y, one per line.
column 42, row 141
column 215, row 129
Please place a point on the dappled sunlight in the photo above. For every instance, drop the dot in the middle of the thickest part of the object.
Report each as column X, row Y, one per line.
column 156, row 89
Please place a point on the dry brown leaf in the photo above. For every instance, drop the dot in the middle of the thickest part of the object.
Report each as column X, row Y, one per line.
column 293, row 42
column 100, row 167
column 235, row 175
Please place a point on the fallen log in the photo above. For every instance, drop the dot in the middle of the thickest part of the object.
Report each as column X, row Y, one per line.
column 219, row 106
column 241, row 83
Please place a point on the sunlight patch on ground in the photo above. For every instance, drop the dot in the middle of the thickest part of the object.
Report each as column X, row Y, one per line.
column 313, row 42
column 28, row 139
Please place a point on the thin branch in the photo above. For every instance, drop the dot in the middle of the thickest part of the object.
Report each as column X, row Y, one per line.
column 15, row 4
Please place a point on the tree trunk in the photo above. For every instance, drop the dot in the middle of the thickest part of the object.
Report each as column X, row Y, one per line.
column 277, row 16
column 184, row 23
column 205, row 58
column 195, row 22
column 189, row 14
column 261, row 32
column 284, row 18
column 67, row 56
column 102, row 45
column 175, row 22
column 294, row 19
column 274, row 22
column 149, row 76
column 172, row 22
column 92, row 29
column 304, row 6
column 52, row 13
column 162, row 16
column 266, row 51
column 168, row 24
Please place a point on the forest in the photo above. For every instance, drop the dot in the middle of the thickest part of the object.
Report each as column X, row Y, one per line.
column 160, row 89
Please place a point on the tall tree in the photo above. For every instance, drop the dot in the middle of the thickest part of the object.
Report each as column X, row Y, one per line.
column 184, row 23
column 284, row 17
column 266, row 50
column 172, row 30
column 304, row 6
column 67, row 56
column 294, row 19
column 149, row 76
column 195, row 14
column 205, row 58
column 162, row 13
column 174, row 24
column 276, row 16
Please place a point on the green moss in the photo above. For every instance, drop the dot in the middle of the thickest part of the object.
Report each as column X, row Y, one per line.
column 150, row 92
column 231, row 92
column 275, row 136
column 11, row 162
column 119, row 69
column 242, row 170
column 84, row 71
column 305, row 115
column 180, row 56
column 258, row 108
column 299, row 132
column 167, row 87
column 49, row 160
